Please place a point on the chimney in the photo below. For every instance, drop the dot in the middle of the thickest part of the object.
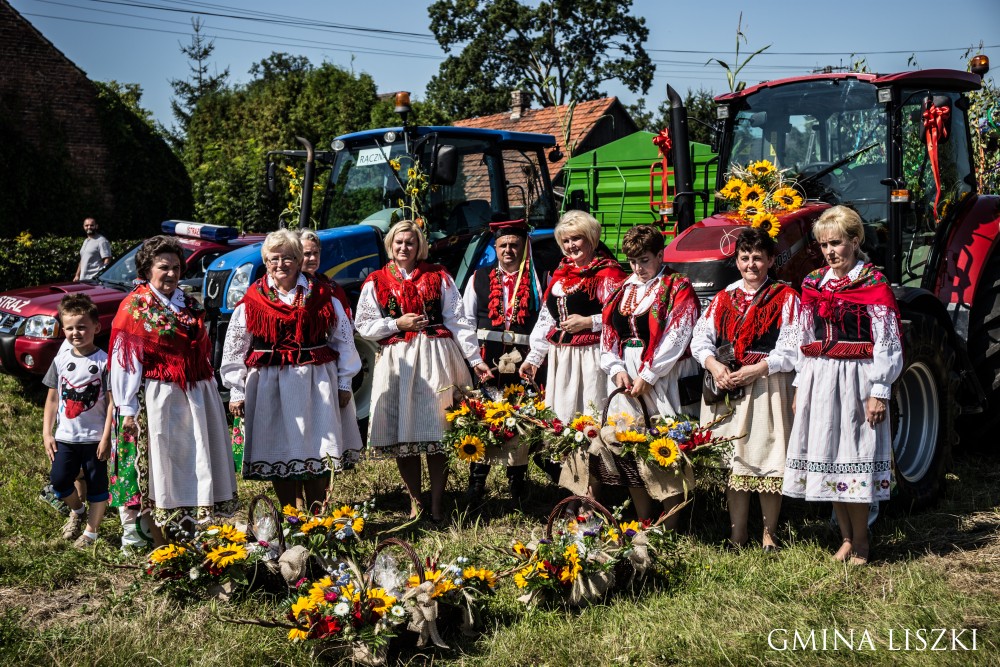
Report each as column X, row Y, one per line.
column 520, row 101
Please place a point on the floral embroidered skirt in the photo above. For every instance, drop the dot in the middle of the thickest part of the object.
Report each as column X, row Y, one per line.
column 764, row 417
column 833, row 454
column 294, row 425
column 408, row 405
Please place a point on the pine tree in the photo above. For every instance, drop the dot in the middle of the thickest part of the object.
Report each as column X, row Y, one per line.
column 200, row 83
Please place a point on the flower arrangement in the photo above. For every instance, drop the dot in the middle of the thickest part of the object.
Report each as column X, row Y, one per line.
column 210, row 561
column 333, row 532
column 562, row 439
column 415, row 184
column 294, row 206
column 479, row 422
column 584, row 555
column 346, row 608
column 757, row 192
column 675, row 442
column 574, row 562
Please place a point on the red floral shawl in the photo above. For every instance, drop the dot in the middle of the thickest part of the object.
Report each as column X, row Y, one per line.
column 395, row 293
column 762, row 315
column 270, row 318
column 674, row 293
column 170, row 347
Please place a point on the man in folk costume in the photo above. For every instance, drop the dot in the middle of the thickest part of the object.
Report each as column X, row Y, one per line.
column 503, row 299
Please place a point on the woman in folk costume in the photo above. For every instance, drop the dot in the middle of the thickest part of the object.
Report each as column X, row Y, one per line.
column 160, row 361
column 753, row 325
column 503, row 300
column 414, row 310
column 569, row 328
column 644, row 349
column 288, row 361
column 840, row 446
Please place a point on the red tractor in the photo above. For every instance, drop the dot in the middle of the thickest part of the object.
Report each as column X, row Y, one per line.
column 897, row 149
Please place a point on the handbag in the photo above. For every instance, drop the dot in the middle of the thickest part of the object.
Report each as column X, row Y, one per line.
column 726, row 356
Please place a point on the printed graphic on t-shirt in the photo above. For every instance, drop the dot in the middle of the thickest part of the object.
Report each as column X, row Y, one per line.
column 78, row 398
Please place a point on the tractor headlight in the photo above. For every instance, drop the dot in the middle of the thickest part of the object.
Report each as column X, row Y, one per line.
column 41, row 326
column 242, row 277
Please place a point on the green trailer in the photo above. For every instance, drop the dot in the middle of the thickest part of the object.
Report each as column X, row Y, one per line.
column 620, row 185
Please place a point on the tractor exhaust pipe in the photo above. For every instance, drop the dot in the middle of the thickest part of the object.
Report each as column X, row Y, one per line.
column 307, row 183
column 683, row 178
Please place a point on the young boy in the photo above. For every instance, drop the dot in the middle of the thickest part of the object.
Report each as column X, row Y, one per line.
column 78, row 401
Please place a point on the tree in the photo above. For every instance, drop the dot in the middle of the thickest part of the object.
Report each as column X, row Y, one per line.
column 560, row 51
column 231, row 130
column 189, row 91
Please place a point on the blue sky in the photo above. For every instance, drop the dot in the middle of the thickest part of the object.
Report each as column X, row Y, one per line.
column 401, row 54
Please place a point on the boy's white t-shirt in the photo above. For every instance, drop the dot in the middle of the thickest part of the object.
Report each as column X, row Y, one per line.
column 81, row 384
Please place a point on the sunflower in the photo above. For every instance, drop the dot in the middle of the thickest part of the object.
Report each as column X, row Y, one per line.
column 298, row 635
column 303, row 605
column 513, row 390
column 767, row 222
column 629, row 436
column 229, row 533
column 498, row 413
column 580, row 422
column 290, row 511
column 429, row 575
column 379, row 599
column 754, row 194
column 664, row 450
column 761, row 168
column 748, row 210
column 462, row 410
column 358, row 525
column 520, row 577
column 225, row 555
column 165, row 553
column 788, row 198
column 317, row 592
column 471, row 448
column 520, row 549
column 487, row 576
column 442, row 586
column 733, row 189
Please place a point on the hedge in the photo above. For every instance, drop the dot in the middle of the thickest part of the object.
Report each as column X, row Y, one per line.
column 26, row 261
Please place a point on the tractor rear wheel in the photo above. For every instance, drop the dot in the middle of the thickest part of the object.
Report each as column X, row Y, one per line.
column 984, row 351
column 922, row 414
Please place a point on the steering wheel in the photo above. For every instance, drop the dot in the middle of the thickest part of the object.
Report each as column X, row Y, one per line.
column 812, row 168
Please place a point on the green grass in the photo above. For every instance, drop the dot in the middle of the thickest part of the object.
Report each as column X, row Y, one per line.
column 937, row 569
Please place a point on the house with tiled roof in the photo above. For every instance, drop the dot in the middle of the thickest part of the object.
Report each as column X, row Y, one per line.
column 591, row 125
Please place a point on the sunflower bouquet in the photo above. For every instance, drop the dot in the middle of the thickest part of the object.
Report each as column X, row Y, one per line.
column 334, row 532
column 508, row 424
column 758, row 192
column 564, row 439
column 678, row 442
column 575, row 561
column 458, row 585
column 345, row 608
column 212, row 561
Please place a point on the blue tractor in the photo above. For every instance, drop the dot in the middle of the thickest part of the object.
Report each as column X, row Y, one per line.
column 456, row 180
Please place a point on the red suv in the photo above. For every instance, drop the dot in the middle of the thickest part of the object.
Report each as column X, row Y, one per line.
column 29, row 331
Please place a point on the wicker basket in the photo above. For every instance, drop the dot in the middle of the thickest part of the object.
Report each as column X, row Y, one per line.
column 609, row 467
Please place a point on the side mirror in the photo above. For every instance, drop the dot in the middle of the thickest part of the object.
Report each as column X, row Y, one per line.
column 444, row 165
column 717, row 130
column 272, row 180
column 758, row 119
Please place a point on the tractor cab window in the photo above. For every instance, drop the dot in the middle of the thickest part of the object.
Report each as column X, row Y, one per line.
column 527, row 196
column 366, row 188
column 830, row 136
column 935, row 150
